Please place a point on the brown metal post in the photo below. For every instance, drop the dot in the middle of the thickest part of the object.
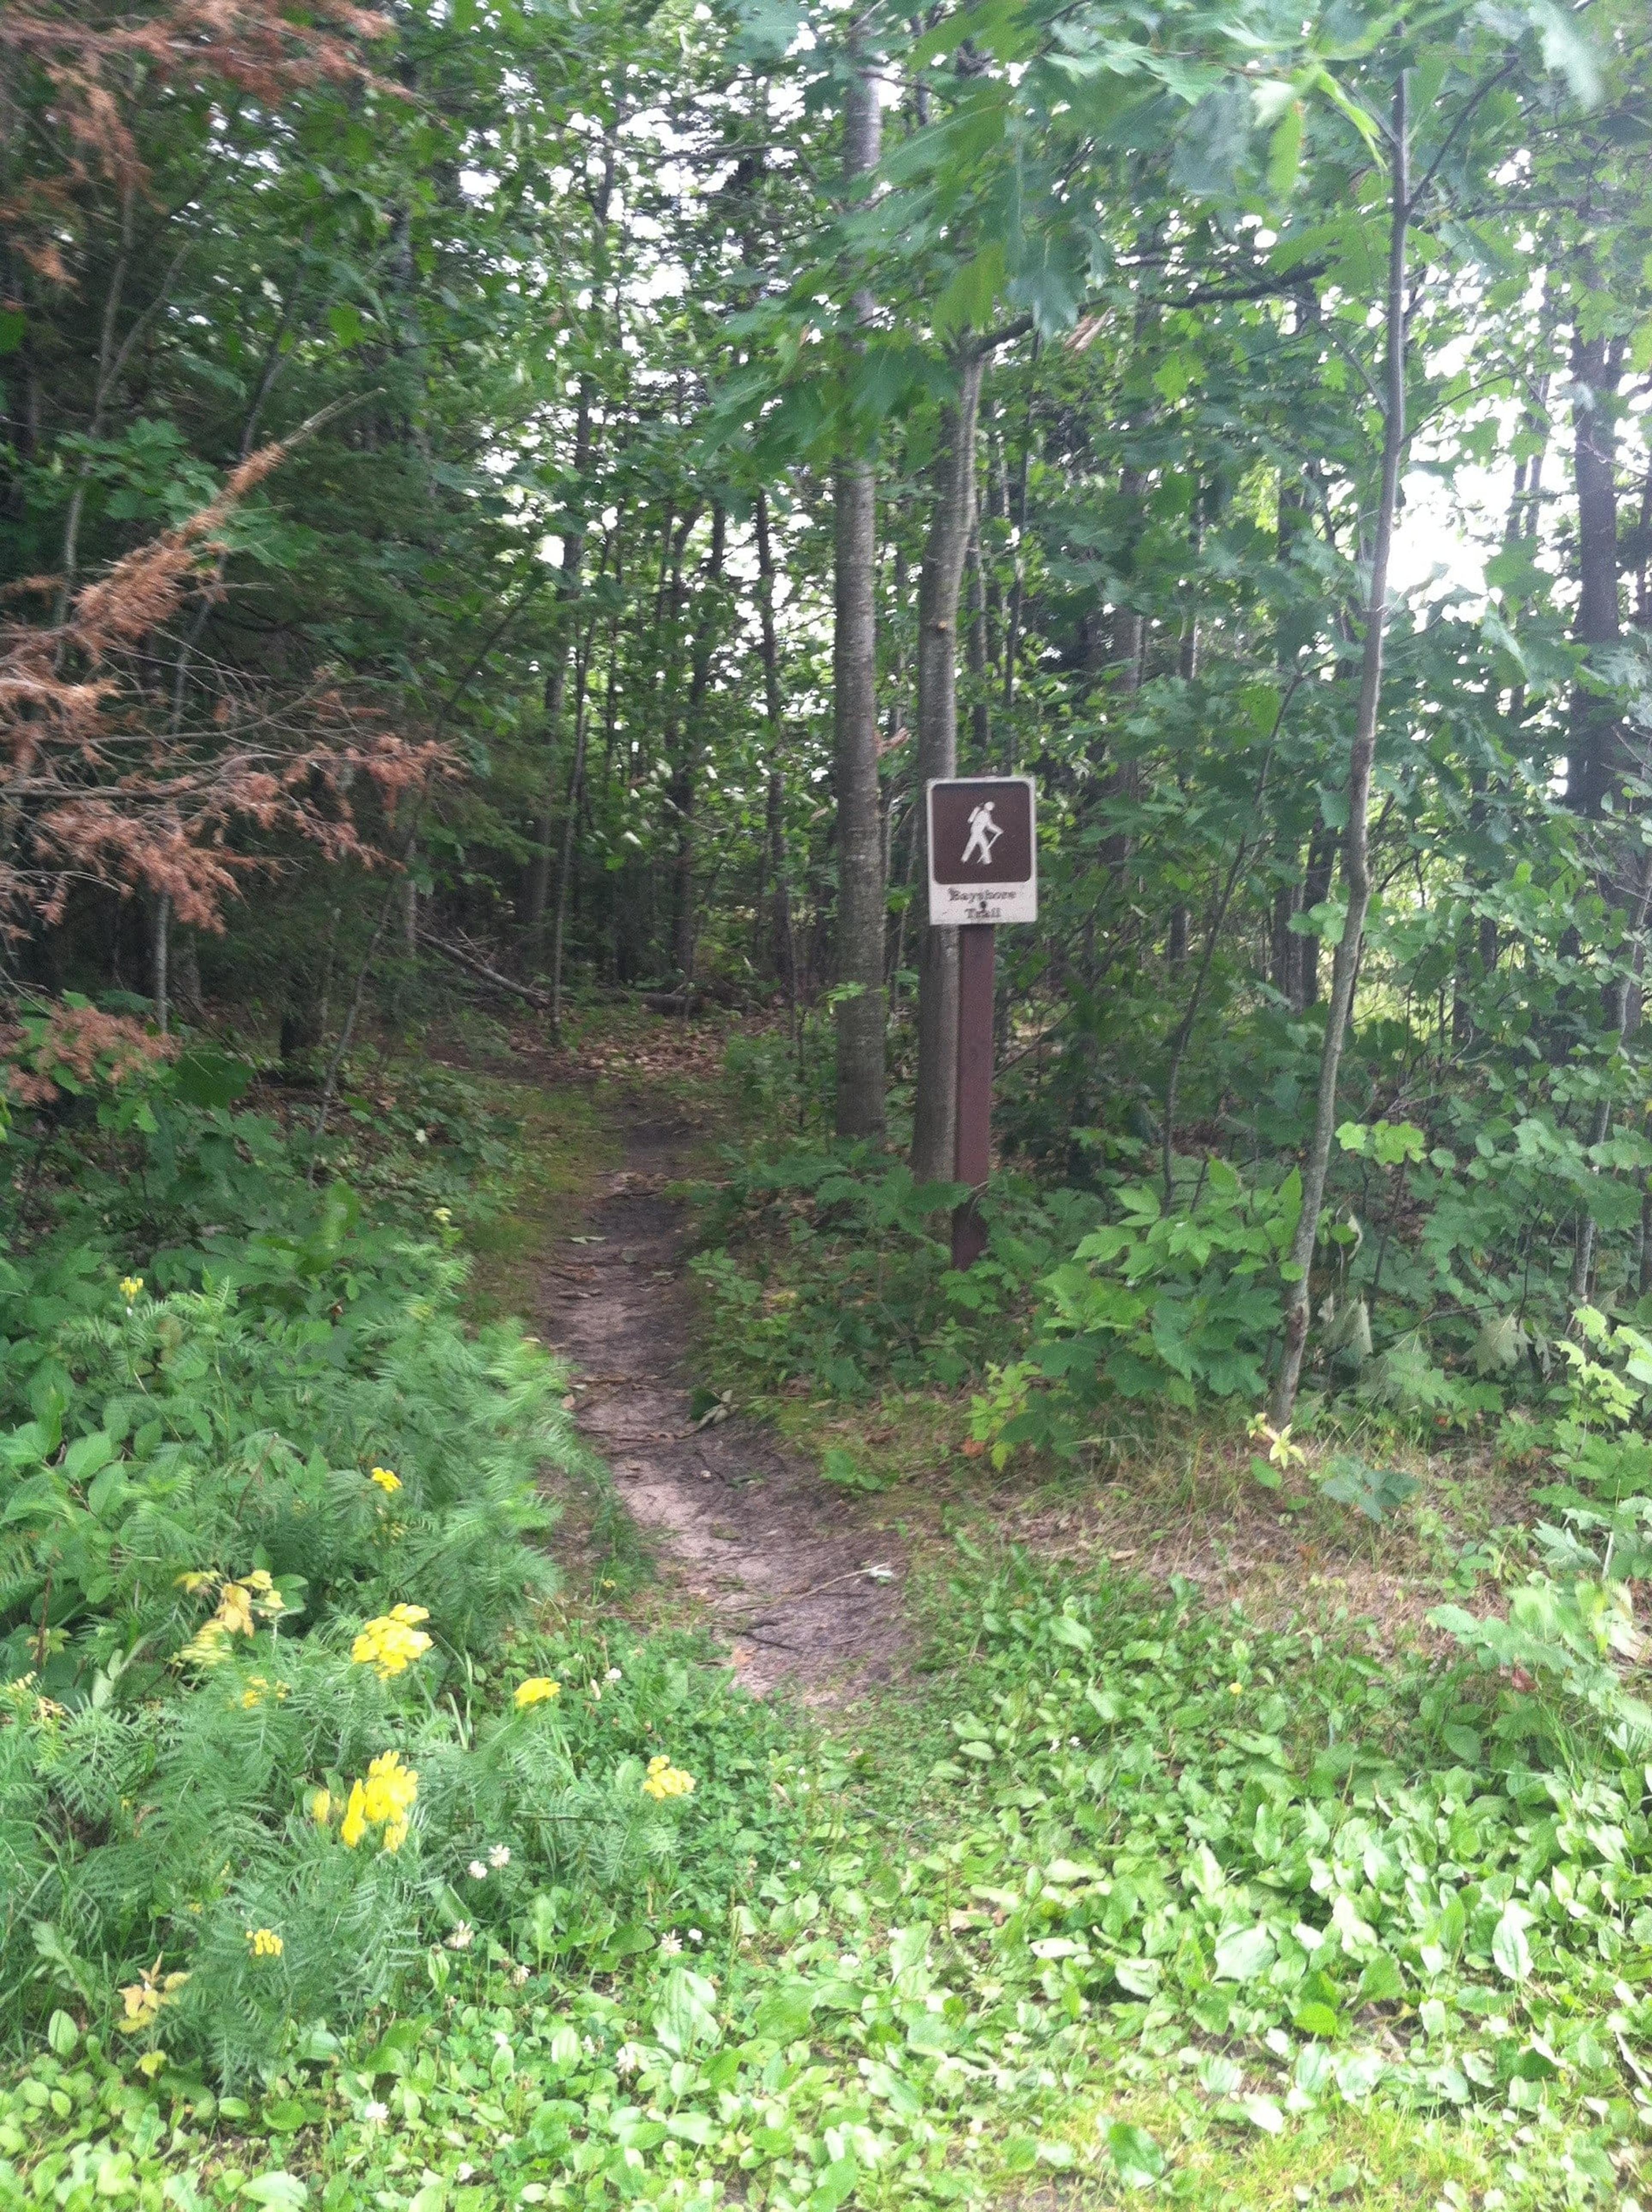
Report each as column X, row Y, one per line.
column 974, row 1124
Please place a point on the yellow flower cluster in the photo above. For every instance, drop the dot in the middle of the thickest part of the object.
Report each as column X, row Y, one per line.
column 392, row 1642
column 239, row 1602
column 664, row 1780
column 534, row 1691
column 131, row 1288
column 385, row 1800
column 258, row 1689
column 387, row 1480
column 265, row 1943
column 140, row 2001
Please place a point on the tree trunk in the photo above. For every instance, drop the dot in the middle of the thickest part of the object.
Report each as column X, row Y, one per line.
column 685, row 783
column 980, row 713
column 861, row 895
column 772, row 864
column 556, row 681
column 570, row 817
column 1593, row 764
column 163, row 949
column 952, row 493
column 1356, row 857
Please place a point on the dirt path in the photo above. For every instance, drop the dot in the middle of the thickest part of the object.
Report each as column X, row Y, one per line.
column 780, row 1561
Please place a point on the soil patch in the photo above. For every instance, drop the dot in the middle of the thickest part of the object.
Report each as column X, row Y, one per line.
column 781, row 1562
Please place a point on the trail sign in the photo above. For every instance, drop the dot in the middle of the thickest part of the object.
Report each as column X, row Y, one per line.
column 983, row 870
column 983, row 851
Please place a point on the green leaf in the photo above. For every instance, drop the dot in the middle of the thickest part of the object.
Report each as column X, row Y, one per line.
column 834, row 2185
column 687, row 2016
column 968, row 300
column 1244, row 1955
column 13, row 324
column 1139, row 2161
column 344, row 319
column 1284, row 152
column 284, row 2190
column 784, row 2015
column 1511, row 1953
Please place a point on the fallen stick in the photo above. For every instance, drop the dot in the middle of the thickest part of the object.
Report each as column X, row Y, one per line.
column 475, row 965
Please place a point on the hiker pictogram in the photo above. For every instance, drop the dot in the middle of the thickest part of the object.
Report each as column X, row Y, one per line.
column 984, row 830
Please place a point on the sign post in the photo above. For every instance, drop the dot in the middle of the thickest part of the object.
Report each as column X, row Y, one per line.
column 983, row 870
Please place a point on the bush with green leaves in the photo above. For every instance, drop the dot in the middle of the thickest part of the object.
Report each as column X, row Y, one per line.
column 831, row 1264
column 263, row 1540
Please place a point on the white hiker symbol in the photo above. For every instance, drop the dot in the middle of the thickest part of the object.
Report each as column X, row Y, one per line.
column 984, row 834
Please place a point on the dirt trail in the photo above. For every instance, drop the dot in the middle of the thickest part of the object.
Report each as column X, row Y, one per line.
column 788, row 1575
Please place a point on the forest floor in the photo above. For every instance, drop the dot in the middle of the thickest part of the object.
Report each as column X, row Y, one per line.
column 747, row 1537
column 805, row 1582
column 1009, row 1887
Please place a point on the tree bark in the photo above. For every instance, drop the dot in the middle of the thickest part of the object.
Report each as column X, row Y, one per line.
column 952, row 493
column 686, row 783
column 772, row 862
column 1593, row 766
column 862, row 897
column 1356, row 856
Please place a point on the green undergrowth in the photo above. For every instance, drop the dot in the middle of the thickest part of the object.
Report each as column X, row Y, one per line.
column 1137, row 1902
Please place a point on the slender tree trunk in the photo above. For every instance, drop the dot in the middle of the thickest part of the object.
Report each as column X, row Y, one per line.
column 772, row 863
column 686, row 783
column 162, row 952
column 861, row 894
column 1017, row 590
column 570, row 818
column 1356, row 858
column 981, row 713
column 556, row 681
column 1623, row 1013
column 1593, row 766
column 952, row 493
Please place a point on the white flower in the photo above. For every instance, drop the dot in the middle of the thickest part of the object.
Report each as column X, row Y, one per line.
column 461, row 1937
column 629, row 2058
column 463, row 2169
column 372, row 2110
column 501, row 2040
column 477, row 1871
column 695, row 1935
column 500, row 1856
column 796, row 1865
column 671, row 1944
column 519, row 1975
column 421, row 1136
column 614, row 1675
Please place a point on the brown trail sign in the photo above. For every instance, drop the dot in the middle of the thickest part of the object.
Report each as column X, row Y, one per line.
column 983, row 870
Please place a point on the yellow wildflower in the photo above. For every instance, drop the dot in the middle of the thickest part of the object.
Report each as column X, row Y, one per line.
column 385, row 1799
column 387, row 1480
column 321, row 1807
column 131, row 1288
column 664, row 1780
column 150, row 2063
column 536, row 1690
column 355, row 1817
column 265, row 1943
column 392, row 1642
column 443, row 1214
